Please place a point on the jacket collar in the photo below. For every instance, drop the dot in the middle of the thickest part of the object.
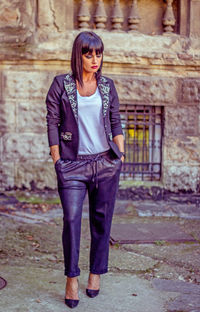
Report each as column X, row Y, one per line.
column 71, row 90
column 104, row 89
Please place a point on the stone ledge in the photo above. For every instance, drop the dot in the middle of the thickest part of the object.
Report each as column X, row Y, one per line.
column 119, row 48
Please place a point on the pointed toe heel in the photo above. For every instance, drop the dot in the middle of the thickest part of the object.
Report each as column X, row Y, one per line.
column 71, row 303
column 92, row 293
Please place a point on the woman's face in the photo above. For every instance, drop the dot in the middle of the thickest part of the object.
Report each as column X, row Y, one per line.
column 91, row 62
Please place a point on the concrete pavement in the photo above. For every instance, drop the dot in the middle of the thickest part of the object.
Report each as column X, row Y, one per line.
column 157, row 277
column 37, row 289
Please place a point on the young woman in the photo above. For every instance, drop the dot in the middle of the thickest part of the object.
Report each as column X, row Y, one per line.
column 87, row 147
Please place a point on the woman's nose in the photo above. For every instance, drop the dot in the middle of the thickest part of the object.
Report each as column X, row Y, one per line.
column 94, row 59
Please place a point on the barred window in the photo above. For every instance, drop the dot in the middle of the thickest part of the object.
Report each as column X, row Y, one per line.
column 142, row 127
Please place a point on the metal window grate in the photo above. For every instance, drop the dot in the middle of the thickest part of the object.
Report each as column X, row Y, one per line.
column 142, row 127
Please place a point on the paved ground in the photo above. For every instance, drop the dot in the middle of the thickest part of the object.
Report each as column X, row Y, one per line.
column 160, row 276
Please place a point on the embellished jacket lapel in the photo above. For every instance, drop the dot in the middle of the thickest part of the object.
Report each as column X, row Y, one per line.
column 104, row 89
column 70, row 88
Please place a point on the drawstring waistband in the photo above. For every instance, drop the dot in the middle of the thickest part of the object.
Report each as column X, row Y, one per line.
column 92, row 156
column 92, row 159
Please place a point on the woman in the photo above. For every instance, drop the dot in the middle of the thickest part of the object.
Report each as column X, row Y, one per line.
column 87, row 147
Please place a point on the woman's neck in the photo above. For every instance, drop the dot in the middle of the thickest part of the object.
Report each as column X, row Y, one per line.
column 88, row 77
column 89, row 85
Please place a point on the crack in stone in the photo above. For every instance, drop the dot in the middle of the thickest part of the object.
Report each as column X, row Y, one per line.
column 53, row 14
column 164, row 261
column 133, row 271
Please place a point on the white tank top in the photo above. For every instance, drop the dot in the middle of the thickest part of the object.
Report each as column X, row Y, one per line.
column 92, row 136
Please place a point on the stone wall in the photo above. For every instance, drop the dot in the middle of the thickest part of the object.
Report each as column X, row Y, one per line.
column 36, row 39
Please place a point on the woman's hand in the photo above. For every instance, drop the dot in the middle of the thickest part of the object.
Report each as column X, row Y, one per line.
column 119, row 141
column 55, row 153
column 122, row 158
column 55, row 160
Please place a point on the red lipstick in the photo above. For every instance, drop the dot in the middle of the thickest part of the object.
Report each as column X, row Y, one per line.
column 94, row 67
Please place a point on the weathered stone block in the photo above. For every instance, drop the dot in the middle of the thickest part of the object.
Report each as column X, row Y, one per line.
column 194, row 18
column 183, row 17
column 36, row 174
column 17, row 20
column 1, row 147
column 23, row 146
column 10, row 14
column 26, row 85
column 151, row 90
column 1, row 86
column 45, row 14
column 31, row 116
column 56, row 15
column 181, row 121
column 183, row 151
column 190, row 91
column 7, row 175
column 7, row 117
column 176, row 177
column 199, row 120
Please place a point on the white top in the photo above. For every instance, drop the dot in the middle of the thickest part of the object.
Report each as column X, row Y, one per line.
column 92, row 137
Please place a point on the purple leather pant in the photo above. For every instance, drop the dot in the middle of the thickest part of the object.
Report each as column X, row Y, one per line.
column 99, row 175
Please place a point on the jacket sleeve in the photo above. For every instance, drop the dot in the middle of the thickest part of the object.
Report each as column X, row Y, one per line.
column 116, row 127
column 53, row 112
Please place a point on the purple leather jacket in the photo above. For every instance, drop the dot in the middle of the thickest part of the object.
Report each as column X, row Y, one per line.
column 62, row 114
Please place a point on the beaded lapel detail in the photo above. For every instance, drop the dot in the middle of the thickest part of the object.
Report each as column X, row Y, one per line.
column 70, row 88
column 104, row 89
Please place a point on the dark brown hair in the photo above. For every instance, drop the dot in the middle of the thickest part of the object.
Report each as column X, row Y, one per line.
column 85, row 42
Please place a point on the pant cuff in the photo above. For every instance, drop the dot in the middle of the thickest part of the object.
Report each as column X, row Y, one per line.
column 99, row 272
column 71, row 274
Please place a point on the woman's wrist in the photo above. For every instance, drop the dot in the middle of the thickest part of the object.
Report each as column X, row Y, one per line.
column 55, row 154
column 55, row 159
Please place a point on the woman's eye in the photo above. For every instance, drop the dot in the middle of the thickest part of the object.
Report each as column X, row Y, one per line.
column 90, row 56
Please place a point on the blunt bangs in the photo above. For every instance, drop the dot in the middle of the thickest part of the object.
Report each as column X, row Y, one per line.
column 85, row 42
column 91, row 44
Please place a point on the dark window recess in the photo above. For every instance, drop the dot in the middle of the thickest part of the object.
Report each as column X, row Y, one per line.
column 142, row 127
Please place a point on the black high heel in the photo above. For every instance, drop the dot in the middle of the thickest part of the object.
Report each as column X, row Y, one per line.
column 72, row 303
column 92, row 292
